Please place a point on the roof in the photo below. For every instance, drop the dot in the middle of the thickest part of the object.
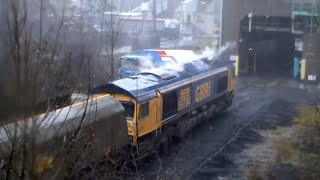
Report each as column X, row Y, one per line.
column 132, row 56
column 138, row 87
column 144, row 85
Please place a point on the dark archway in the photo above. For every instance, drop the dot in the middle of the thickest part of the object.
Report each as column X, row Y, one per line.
column 268, row 48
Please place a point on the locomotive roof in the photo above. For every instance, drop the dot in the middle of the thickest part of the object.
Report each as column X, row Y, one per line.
column 143, row 86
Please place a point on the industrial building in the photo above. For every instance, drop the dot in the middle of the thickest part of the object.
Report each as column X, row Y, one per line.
column 273, row 37
column 163, row 8
column 262, row 32
column 201, row 21
column 306, row 15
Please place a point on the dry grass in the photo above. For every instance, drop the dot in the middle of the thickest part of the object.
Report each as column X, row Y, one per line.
column 286, row 150
column 302, row 147
column 254, row 173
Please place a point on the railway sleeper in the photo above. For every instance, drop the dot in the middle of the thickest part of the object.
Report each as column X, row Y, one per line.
column 216, row 164
column 214, row 171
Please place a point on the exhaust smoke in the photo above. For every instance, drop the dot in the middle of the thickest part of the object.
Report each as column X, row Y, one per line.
column 182, row 57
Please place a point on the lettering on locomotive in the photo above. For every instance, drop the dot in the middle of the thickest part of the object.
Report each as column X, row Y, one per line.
column 203, row 91
column 184, row 99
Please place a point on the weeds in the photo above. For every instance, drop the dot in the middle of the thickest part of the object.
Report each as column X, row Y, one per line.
column 286, row 150
column 302, row 148
column 253, row 173
column 297, row 149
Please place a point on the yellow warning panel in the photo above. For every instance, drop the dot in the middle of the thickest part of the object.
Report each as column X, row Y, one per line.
column 303, row 69
column 235, row 59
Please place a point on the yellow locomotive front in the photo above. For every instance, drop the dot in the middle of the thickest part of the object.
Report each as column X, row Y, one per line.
column 142, row 117
column 143, row 109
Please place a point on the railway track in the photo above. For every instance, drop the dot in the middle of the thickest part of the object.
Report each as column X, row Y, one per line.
column 220, row 164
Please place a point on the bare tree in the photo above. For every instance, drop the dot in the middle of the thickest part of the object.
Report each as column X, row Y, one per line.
column 47, row 68
column 111, row 26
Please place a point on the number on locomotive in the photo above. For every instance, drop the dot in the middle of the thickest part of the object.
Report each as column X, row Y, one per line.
column 203, row 91
column 184, row 100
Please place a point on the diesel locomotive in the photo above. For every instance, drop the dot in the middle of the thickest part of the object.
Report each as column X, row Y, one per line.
column 140, row 112
column 161, row 106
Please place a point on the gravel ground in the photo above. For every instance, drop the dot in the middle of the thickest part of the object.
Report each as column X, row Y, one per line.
column 217, row 148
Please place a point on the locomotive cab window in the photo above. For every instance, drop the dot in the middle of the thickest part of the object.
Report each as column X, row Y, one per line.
column 170, row 104
column 129, row 108
column 222, row 83
column 144, row 110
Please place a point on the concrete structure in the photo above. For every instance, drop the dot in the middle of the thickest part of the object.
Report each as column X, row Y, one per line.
column 223, row 17
column 307, row 11
column 306, row 15
column 311, row 55
column 235, row 10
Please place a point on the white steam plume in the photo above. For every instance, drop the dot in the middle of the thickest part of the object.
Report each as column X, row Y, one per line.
column 182, row 57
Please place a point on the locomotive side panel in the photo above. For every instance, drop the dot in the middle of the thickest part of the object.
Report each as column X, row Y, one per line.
column 196, row 100
column 193, row 93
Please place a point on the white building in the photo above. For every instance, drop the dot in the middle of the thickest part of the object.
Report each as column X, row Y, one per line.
column 202, row 20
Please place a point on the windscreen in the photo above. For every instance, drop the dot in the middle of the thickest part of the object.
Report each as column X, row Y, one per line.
column 129, row 108
column 129, row 63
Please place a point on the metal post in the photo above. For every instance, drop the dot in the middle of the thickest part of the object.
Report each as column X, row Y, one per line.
column 144, row 19
column 144, row 7
column 137, row 116
column 221, row 13
column 250, row 21
column 154, row 14
column 255, row 62
column 292, row 23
